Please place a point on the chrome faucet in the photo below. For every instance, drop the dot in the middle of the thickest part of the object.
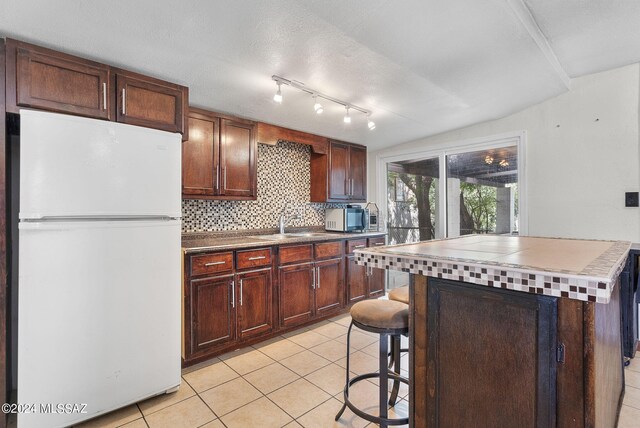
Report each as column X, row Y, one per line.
column 284, row 220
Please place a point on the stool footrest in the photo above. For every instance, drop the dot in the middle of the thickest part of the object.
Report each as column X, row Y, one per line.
column 371, row 418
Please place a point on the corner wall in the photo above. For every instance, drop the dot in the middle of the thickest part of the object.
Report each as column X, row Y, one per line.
column 582, row 154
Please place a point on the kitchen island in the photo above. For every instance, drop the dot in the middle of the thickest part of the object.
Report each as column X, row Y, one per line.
column 510, row 331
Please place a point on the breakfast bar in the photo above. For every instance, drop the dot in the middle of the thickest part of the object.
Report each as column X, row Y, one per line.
column 512, row 331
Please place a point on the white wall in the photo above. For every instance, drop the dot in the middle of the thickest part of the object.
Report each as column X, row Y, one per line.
column 582, row 154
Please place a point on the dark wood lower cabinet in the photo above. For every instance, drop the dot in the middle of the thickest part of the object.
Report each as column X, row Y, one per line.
column 296, row 293
column 357, row 279
column 328, row 287
column 376, row 282
column 212, row 312
column 517, row 371
column 235, row 298
column 255, row 315
column 487, row 357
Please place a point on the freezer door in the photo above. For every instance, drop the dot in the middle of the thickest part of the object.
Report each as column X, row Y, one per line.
column 98, row 315
column 79, row 167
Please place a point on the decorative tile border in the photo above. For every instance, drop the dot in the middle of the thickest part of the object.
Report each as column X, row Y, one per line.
column 583, row 286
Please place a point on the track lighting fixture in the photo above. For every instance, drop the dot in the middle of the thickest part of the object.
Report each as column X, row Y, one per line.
column 370, row 123
column 317, row 107
column 347, row 117
column 278, row 96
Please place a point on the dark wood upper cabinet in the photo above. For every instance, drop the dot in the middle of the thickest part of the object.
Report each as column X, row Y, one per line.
column 200, row 154
column 219, row 160
column 339, row 184
column 44, row 79
column 340, row 175
column 358, row 173
column 238, row 157
column 149, row 102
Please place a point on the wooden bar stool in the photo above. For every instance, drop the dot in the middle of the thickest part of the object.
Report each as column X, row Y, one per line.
column 387, row 318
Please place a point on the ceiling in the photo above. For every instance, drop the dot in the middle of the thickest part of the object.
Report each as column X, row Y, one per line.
column 421, row 66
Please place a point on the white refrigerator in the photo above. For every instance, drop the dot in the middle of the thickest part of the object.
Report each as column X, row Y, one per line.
column 99, row 303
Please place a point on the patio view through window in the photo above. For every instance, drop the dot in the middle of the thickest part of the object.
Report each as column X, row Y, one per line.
column 481, row 191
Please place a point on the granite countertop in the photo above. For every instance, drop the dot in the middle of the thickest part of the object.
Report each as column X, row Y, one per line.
column 233, row 240
column 577, row 269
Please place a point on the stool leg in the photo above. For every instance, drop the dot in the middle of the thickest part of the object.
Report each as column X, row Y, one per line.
column 384, row 378
column 346, row 383
column 395, row 353
column 391, row 356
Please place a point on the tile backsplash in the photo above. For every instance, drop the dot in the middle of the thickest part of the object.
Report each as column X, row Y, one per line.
column 283, row 185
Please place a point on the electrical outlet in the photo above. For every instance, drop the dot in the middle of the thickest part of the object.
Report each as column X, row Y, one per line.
column 631, row 199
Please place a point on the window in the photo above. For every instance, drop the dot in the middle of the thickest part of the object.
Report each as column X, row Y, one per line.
column 451, row 190
column 482, row 191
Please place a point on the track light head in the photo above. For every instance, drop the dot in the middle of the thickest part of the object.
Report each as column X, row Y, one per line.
column 347, row 117
column 370, row 123
column 317, row 106
column 278, row 96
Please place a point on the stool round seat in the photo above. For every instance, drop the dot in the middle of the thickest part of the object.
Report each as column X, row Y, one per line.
column 381, row 314
column 400, row 294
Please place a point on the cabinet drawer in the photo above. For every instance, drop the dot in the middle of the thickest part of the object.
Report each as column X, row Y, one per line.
column 328, row 249
column 296, row 253
column 377, row 242
column 211, row 263
column 254, row 258
column 355, row 244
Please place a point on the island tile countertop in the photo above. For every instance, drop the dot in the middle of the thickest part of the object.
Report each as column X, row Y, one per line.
column 212, row 241
column 577, row 269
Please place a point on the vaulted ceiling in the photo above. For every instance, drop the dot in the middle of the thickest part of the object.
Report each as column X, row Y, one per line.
column 421, row 66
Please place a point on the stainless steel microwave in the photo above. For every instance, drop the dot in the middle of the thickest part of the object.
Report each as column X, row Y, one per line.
column 350, row 219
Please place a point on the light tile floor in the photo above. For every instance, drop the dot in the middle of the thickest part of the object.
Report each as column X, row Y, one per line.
column 294, row 380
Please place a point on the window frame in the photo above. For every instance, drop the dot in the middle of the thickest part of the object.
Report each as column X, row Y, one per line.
column 441, row 151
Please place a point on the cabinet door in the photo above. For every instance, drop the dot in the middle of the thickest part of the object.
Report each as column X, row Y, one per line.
column 329, row 291
column 238, row 158
column 212, row 312
column 54, row 81
column 296, row 293
column 518, row 363
column 150, row 103
column 356, row 281
column 376, row 279
column 358, row 173
column 200, row 154
column 254, row 303
column 338, row 171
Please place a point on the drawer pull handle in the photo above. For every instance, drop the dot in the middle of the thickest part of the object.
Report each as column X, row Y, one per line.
column 214, row 263
column 379, row 243
column 359, row 246
column 257, row 258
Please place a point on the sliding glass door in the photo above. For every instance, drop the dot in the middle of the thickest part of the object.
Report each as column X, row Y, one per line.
column 482, row 191
column 413, row 200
